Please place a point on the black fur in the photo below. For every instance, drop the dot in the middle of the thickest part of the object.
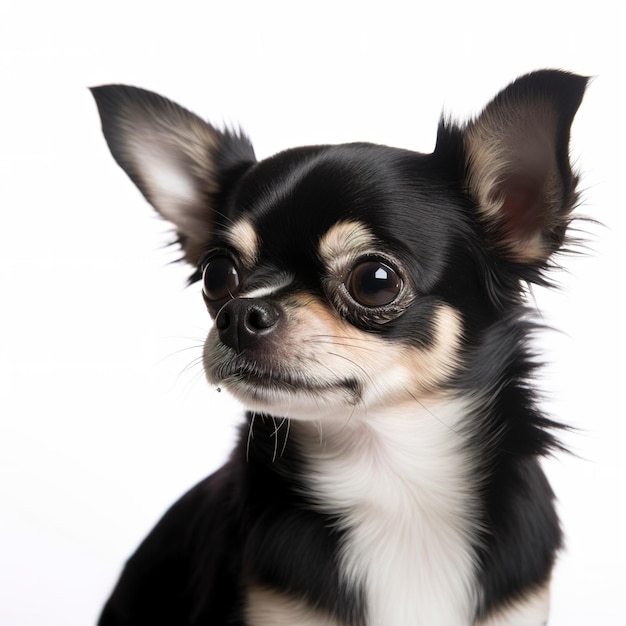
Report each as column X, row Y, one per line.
column 247, row 521
column 252, row 521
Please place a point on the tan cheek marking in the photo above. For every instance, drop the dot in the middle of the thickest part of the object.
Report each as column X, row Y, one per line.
column 325, row 344
column 242, row 236
column 435, row 364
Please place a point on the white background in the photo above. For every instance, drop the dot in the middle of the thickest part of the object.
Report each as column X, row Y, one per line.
column 105, row 416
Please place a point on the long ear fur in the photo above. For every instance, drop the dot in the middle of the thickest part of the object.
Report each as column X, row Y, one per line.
column 179, row 162
column 518, row 168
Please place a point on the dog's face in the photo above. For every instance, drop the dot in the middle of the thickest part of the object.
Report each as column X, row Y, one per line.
column 343, row 278
column 323, row 282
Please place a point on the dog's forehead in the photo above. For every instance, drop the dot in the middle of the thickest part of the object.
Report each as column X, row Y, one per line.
column 343, row 239
column 294, row 200
column 316, row 204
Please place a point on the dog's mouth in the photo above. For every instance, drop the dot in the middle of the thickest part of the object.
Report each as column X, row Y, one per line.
column 258, row 382
column 278, row 379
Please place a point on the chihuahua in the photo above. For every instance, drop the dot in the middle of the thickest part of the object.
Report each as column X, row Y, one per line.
column 368, row 308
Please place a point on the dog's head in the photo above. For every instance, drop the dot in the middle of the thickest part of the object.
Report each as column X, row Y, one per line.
column 358, row 275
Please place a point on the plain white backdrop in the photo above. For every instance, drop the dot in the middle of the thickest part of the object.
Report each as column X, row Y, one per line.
column 105, row 418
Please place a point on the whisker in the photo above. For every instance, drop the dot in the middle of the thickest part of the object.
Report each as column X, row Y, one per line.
column 282, row 452
column 197, row 375
column 277, row 428
column 346, row 358
column 275, row 439
column 352, row 362
column 175, row 353
column 250, row 436
column 435, row 416
column 346, row 342
column 320, row 429
column 349, row 418
column 191, row 365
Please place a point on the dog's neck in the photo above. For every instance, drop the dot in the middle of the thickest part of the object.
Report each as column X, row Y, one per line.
column 398, row 481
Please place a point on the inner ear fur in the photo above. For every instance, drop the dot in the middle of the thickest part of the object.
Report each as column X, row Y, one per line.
column 517, row 164
column 179, row 162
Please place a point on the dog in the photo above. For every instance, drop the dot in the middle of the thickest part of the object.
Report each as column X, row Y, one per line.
column 369, row 310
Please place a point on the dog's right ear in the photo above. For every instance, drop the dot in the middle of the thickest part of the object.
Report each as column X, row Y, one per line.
column 179, row 162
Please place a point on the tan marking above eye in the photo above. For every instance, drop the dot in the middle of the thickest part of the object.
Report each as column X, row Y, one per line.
column 343, row 243
column 243, row 237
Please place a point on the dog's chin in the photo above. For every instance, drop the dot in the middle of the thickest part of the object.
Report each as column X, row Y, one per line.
column 284, row 393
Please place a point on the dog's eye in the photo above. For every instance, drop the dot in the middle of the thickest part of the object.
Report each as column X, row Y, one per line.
column 373, row 283
column 220, row 278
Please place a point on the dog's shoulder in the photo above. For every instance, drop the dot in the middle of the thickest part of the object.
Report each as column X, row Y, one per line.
column 191, row 548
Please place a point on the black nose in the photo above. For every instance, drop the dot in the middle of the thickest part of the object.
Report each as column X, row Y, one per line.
column 240, row 322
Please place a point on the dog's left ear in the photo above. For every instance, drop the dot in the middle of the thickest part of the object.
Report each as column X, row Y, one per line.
column 517, row 164
column 180, row 163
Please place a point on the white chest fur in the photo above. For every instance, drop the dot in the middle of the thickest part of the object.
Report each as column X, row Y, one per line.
column 402, row 483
